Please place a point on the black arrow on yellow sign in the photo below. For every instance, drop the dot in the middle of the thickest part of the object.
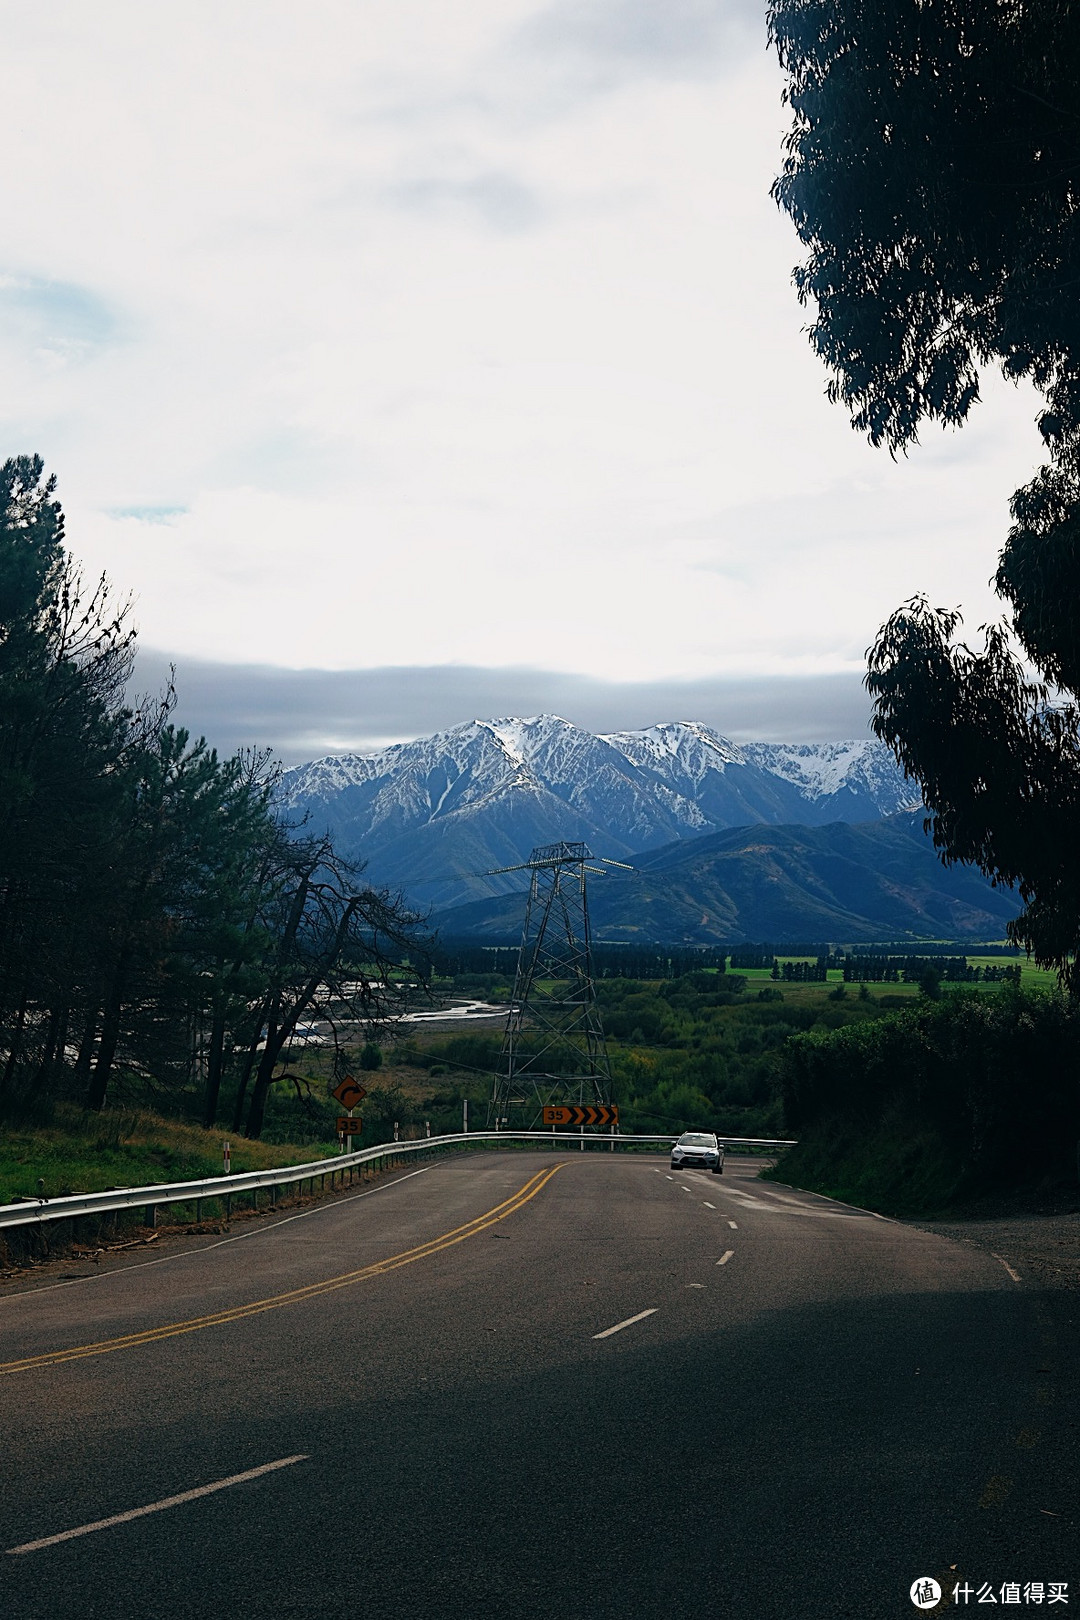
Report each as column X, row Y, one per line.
column 581, row 1114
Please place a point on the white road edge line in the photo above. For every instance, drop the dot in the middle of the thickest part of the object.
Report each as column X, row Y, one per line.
column 1015, row 1275
column 858, row 1208
column 725, row 1257
column 157, row 1507
column 630, row 1320
column 239, row 1237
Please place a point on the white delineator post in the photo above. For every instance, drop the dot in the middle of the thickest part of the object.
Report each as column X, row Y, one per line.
column 226, row 1168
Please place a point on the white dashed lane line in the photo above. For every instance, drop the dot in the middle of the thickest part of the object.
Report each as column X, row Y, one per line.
column 158, row 1507
column 705, row 1201
column 725, row 1257
column 734, row 1225
column 630, row 1320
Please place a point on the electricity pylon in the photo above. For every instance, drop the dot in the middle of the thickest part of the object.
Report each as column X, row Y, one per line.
column 553, row 1047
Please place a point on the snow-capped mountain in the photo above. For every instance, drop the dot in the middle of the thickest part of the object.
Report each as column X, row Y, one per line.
column 848, row 776
column 434, row 816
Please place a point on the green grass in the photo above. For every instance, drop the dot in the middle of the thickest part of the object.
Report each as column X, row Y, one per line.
column 84, row 1152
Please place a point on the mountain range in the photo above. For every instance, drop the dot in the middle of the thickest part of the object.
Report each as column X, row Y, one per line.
column 434, row 816
column 765, row 841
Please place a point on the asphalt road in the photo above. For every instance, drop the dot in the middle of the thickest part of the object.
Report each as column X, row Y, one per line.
column 808, row 1408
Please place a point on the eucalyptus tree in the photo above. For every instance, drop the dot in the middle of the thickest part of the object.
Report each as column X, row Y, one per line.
column 933, row 175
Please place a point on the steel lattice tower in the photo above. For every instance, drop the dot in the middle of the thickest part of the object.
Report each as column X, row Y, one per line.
column 553, row 1048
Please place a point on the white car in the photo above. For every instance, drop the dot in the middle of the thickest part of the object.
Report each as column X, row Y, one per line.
column 698, row 1150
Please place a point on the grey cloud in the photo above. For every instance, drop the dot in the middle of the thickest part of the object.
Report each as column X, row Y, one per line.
column 56, row 314
column 499, row 200
column 302, row 714
column 149, row 514
column 657, row 38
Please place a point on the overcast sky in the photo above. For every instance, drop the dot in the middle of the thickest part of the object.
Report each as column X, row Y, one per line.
column 410, row 362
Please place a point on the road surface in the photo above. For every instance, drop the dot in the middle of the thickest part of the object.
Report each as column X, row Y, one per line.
column 559, row 1385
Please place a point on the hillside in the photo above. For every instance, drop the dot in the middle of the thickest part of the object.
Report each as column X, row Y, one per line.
column 844, row 882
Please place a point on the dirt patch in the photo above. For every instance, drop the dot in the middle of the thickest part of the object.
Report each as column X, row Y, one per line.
column 1041, row 1249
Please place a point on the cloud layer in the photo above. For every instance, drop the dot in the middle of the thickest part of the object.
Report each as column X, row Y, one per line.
column 424, row 336
column 303, row 714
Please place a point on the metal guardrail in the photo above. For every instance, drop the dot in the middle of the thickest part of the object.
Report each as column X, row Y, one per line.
column 38, row 1211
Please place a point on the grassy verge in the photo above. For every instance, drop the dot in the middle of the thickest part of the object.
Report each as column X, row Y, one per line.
column 84, row 1152
column 907, row 1171
column 897, row 1168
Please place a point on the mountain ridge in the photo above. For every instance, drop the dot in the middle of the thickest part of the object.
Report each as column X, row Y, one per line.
column 846, row 882
column 433, row 815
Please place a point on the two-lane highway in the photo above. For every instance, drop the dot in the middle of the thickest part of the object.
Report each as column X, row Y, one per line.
column 520, row 1385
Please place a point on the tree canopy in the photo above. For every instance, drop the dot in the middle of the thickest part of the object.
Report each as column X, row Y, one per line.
column 932, row 171
column 933, row 174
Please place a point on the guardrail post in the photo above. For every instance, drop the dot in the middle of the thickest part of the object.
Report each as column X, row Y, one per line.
column 150, row 1215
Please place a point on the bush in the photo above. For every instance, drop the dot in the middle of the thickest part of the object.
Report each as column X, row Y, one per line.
column 992, row 1080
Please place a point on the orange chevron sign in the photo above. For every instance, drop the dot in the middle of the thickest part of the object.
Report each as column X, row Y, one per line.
column 581, row 1114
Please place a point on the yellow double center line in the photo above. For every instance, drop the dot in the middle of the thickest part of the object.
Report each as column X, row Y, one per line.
column 171, row 1330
